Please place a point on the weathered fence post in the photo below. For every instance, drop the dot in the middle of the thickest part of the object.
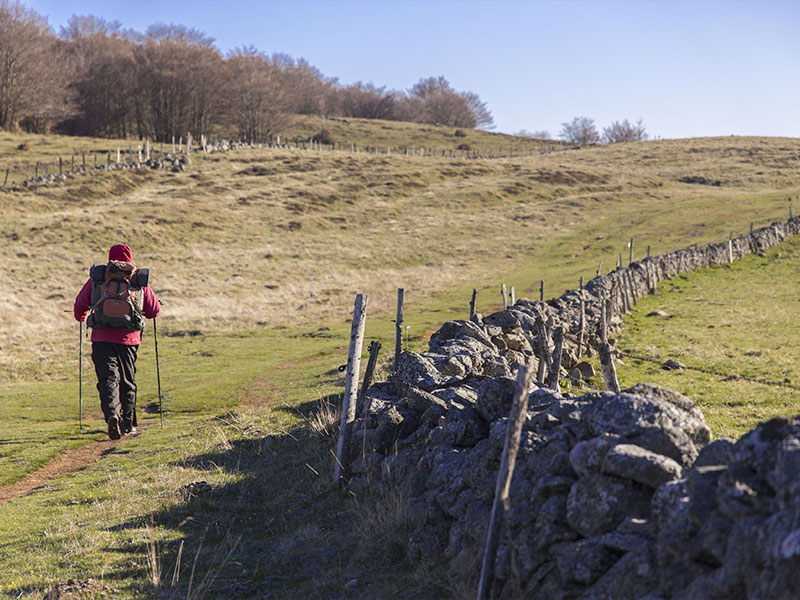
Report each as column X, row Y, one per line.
column 472, row 303
column 374, row 349
column 541, row 290
column 83, row 157
column 513, row 297
column 630, row 252
column 350, row 386
column 544, row 350
column 730, row 248
column 631, row 287
column 600, row 266
column 505, row 296
column 582, row 324
column 5, row 181
column 516, row 418
column 398, row 337
column 37, row 170
column 555, row 360
column 604, row 350
column 60, row 166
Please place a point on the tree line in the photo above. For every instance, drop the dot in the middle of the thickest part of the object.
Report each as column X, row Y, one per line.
column 97, row 79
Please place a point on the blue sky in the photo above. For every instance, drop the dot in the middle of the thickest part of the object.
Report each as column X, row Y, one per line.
column 687, row 68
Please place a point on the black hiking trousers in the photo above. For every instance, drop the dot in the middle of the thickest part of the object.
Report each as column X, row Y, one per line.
column 115, row 365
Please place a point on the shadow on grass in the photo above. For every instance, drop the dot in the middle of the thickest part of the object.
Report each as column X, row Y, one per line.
column 275, row 528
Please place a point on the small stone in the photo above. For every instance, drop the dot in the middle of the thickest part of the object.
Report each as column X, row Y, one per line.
column 673, row 365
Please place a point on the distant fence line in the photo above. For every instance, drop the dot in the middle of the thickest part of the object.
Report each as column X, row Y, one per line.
column 155, row 156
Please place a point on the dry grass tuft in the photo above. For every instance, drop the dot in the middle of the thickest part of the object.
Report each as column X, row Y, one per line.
column 325, row 419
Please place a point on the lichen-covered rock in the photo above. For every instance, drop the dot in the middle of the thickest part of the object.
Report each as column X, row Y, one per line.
column 638, row 464
column 598, row 503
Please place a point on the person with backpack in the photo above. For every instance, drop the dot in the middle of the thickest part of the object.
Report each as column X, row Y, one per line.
column 117, row 300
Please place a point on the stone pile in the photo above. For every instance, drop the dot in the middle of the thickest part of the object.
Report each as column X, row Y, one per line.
column 614, row 495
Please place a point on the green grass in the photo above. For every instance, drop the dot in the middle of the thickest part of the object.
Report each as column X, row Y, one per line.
column 262, row 252
column 733, row 326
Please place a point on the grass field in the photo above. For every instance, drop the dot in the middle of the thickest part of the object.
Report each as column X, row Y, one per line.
column 257, row 255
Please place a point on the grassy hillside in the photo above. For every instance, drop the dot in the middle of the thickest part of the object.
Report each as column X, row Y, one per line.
column 256, row 255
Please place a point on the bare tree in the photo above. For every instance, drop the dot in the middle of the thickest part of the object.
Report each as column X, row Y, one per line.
column 258, row 105
column 624, row 132
column 367, row 101
column 580, row 130
column 179, row 76
column 32, row 84
column 100, row 59
column 480, row 110
column 433, row 100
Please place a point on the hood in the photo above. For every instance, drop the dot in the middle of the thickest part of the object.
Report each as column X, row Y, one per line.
column 120, row 252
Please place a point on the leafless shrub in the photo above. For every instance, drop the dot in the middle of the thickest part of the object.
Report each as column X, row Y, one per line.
column 625, row 132
column 580, row 130
column 324, row 137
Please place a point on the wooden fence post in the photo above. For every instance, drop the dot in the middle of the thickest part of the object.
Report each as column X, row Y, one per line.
column 604, row 350
column 505, row 296
column 582, row 324
column 398, row 337
column 630, row 252
column 472, row 303
column 555, row 360
column 516, row 419
column 631, row 287
column 374, row 349
column 730, row 248
column 541, row 290
column 5, row 181
column 83, row 159
column 600, row 266
column 544, row 350
column 513, row 297
column 60, row 166
column 37, row 170
column 350, row 386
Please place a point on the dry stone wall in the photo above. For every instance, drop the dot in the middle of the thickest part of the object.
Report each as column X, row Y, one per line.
column 615, row 495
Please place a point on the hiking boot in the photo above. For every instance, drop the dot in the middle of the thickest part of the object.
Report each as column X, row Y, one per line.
column 113, row 428
column 128, row 428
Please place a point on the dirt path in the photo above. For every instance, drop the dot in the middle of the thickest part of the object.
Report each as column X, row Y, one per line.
column 65, row 463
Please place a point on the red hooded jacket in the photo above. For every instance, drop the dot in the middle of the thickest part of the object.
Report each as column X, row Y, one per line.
column 151, row 308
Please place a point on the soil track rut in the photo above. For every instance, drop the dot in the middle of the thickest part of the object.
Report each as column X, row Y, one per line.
column 65, row 463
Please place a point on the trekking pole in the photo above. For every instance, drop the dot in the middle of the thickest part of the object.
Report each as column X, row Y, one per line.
column 158, row 374
column 80, row 376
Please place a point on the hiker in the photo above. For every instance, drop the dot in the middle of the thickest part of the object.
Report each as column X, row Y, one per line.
column 117, row 299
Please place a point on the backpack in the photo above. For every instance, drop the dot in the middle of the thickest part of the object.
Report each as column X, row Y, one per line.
column 117, row 296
